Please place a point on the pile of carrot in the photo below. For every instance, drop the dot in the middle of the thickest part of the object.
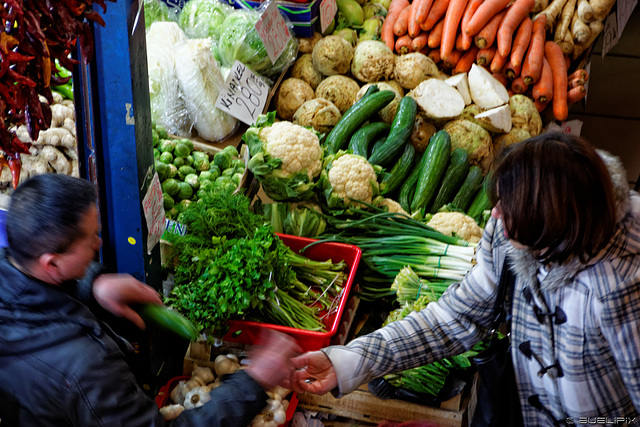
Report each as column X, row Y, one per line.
column 500, row 35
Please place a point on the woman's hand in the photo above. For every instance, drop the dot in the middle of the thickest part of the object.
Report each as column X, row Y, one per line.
column 313, row 373
column 117, row 292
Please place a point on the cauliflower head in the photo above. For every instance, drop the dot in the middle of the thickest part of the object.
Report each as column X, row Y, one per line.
column 462, row 225
column 392, row 206
column 349, row 178
column 285, row 158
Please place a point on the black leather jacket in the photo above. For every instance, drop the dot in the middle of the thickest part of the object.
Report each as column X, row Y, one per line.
column 60, row 367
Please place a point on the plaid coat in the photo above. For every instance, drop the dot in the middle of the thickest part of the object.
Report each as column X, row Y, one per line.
column 575, row 327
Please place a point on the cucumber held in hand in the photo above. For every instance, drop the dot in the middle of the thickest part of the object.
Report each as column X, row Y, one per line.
column 168, row 319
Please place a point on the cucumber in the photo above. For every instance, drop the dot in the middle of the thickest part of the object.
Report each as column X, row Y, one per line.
column 432, row 168
column 400, row 170
column 354, row 117
column 168, row 319
column 472, row 183
column 377, row 144
column 408, row 187
column 453, row 178
column 399, row 134
column 364, row 136
column 480, row 202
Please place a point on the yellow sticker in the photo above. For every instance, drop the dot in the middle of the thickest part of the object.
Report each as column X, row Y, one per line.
column 131, row 241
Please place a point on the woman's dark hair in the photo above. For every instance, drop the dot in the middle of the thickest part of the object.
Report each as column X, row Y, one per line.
column 556, row 196
column 45, row 213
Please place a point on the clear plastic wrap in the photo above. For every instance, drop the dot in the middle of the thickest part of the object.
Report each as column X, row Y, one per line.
column 158, row 11
column 200, row 80
column 240, row 41
column 200, row 19
column 167, row 105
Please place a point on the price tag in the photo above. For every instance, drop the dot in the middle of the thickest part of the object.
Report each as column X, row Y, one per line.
column 273, row 31
column 152, row 205
column 624, row 9
column 610, row 36
column 244, row 94
column 328, row 9
column 572, row 127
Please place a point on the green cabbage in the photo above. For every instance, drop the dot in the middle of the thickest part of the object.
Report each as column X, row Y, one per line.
column 200, row 19
column 240, row 41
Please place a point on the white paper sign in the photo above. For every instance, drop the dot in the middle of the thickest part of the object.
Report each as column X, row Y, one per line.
column 273, row 31
column 572, row 127
column 624, row 8
column 244, row 94
column 328, row 9
column 610, row 34
column 152, row 205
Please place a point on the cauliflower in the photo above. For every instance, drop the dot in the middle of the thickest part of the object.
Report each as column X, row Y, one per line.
column 348, row 178
column 392, row 206
column 457, row 223
column 285, row 158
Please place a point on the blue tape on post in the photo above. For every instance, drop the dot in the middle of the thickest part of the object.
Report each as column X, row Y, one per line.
column 3, row 230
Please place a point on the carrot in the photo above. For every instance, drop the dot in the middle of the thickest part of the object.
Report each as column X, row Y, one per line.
column 575, row 83
column 403, row 44
column 434, row 54
column 518, row 85
column 485, row 56
column 540, row 106
column 451, row 23
column 420, row 42
column 581, row 74
column 515, row 14
column 452, row 60
column 386, row 32
column 498, row 63
column 413, row 27
column 554, row 55
column 542, row 90
column 425, row 51
column 435, row 35
column 422, row 10
column 402, row 23
column 499, row 76
column 532, row 65
column 576, row 94
column 459, row 42
column 437, row 11
column 487, row 34
column 484, row 13
column 466, row 60
column 520, row 45
column 472, row 6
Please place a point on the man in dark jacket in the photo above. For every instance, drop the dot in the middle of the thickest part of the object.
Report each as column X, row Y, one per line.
column 59, row 365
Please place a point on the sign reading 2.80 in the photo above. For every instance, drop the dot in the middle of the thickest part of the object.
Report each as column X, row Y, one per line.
column 243, row 95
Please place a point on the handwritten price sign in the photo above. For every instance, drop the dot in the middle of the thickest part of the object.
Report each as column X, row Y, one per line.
column 328, row 9
column 244, row 94
column 273, row 32
column 152, row 206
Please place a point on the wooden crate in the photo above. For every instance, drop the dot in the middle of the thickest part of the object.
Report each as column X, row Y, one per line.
column 361, row 405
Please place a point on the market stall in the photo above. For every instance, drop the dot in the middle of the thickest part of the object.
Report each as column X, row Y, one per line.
column 314, row 168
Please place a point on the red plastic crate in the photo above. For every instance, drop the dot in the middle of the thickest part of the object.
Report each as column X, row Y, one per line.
column 247, row 332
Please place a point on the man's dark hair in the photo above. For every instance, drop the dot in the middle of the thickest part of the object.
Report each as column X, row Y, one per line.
column 45, row 213
column 556, row 196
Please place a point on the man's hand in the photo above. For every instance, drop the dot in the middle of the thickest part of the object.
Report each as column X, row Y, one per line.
column 116, row 292
column 314, row 373
column 270, row 359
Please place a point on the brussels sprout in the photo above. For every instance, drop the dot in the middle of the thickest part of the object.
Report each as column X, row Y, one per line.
column 215, row 171
column 185, row 170
column 170, row 186
column 188, row 143
column 166, row 157
column 173, row 171
column 182, row 149
column 201, row 163
column 162, row 132
column 179, row 161
column 167, row 201
column 228, row 172
column 156, row 153
column 239, row 163
column 236, row 179
column 190, row 160
column 185, row 191
column 167, row 145
column 183, row 204
column 155, row 138
column 206, row 176
column 204, row 183
column 192, row 180
column 162, row 169
column 173, row 213
column 222, row 159
column 230, row 149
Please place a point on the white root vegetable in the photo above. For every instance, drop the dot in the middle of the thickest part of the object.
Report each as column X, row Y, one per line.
column 70, row 125
column 461, row 82
column 57, row 98
column 568, row 10
column 204, row 373
column 585, row 11
column 171, row 412
column 486, row 91
column 437, row 99
column 601, row 8
column 60, row 112
column 56, row 159
column 566, row 43
column 580, row 30
column 540, row 5
column 496, row 120
column 595, row 28
column 552, row 11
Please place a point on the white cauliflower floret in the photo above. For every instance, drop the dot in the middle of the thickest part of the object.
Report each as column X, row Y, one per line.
column 297, row 147
column 392, row 206
column 350, row 177
column 462, row 225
